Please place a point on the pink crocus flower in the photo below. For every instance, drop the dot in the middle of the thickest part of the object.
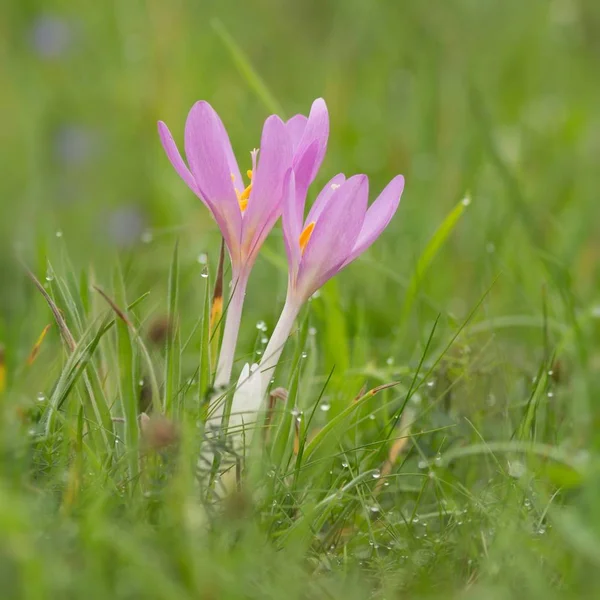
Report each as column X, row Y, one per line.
column 244, row 213
column 339, row 227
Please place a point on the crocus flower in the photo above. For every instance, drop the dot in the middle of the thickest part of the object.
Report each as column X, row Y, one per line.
column 244, row 213
column 339, row 227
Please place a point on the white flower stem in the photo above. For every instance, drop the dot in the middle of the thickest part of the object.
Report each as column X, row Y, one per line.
column 275, row 346
column 232, row 329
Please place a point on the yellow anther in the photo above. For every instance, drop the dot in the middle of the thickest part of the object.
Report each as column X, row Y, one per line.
column 245, row 195
column 305, row 236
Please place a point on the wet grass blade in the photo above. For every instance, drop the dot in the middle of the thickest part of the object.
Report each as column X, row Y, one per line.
column 429, row 253
column 173, row 345
column 128, row 388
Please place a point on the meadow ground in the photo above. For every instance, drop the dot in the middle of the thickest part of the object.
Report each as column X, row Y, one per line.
column 476, row 475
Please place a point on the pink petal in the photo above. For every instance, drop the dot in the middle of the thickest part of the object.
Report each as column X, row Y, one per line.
column 316, row 129
column 174, row 156
column 265, row 202
column 334, row 235
column 212, row 164
column 378, row 216
column 303, row 173
column 324, row 196
column 295, row 128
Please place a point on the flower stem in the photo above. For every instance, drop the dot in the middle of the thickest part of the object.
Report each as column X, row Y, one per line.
column 232, row 329
column 275, row 346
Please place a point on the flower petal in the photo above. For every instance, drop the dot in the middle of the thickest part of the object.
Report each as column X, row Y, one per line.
column 212, row 164
column 378, row 216
column 295, row 128
column 174, row 156
column 324, row 196
column 334, row 235
column 316, row 129
column 265, row 202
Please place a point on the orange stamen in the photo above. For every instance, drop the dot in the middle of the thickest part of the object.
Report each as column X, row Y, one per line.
column 245, row 195
column 305, row 236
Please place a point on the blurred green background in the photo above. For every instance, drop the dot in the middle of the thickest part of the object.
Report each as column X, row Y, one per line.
column 495, row 100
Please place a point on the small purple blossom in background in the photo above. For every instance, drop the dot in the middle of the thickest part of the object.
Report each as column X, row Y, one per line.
column 50, row 36
column 75, row 145
column 339, row 227
column 125, row 225
column 245, row 212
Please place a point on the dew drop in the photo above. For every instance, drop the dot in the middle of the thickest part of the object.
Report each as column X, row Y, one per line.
column 325, row 406
column 258, row 352
column 374, row 509
column 389, row 361
column 59, row 234
column 141, row 382
column 372, row 417
column 304, row 355
column 550, row 394
column 312, row 331
column 295, row 411
column 415, row 519
column 264, row 339
column 41, row 397
column 261, row 326
column 204, row 272
column 49, row 275
column 203, row 258
column 345, row 465
column 466, row 201
column 439, row 461
column 376, row 474
column 422, row 464
column 430, row 383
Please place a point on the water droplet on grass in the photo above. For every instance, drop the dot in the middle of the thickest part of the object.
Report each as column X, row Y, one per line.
column 203, row 258
column 204, row 273
column 325, row 406
column 390, row 361
column 261, row 326
column 59, row 234
column 312, row 331
column 376, row 474
column 304, row 355
column 41, row 397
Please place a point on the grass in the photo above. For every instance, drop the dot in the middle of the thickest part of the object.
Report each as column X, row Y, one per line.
column 439, row 437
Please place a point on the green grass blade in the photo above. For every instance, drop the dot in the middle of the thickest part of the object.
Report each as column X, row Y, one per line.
column 429, row 253
column 246, row 69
